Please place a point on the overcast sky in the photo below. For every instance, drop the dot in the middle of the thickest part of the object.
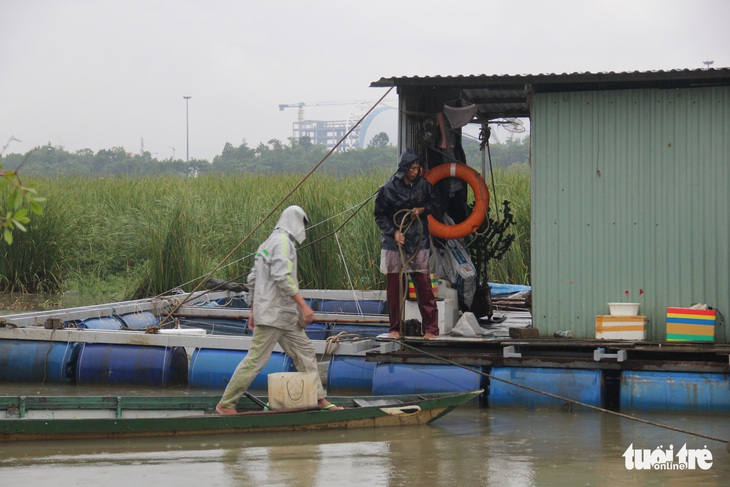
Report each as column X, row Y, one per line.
column 107, row 73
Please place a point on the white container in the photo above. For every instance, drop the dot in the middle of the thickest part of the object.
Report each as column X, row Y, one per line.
column 447, row 306
column 623, row 309
column 621, row 327
column 289, row 390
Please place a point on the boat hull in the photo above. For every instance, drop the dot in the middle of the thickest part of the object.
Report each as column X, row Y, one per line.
column 56, row 418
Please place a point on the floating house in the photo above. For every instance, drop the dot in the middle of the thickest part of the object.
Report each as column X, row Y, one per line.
column 629, row 173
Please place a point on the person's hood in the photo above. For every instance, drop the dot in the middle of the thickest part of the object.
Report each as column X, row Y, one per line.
column 407, row 158
column 293, row 220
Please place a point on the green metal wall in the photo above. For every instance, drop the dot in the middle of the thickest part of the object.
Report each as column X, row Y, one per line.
column 629, row 192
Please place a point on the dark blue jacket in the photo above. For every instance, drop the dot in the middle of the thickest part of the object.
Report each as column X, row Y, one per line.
column 393, row 196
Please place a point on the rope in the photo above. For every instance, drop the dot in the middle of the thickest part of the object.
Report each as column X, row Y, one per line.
column 566, row 399
column 401, row 273
column 276, row 207
column 333, row 342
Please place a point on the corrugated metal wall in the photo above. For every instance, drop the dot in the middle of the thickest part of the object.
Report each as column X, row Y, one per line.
column 630, row 192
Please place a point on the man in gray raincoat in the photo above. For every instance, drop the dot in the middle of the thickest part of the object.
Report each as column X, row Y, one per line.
column 279, row 313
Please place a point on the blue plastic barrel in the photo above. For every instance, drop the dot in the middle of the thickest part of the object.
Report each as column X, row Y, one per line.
column 423, row 378
column 364, row 306
column 102, row 323
column 580, row 385
column 686, row 392
column 317, row 331
column 209, row 368
column 101, row 363
column 350, row 372
column 140, row 320
column 363, row 330
column 218, row 326
column 38, row 361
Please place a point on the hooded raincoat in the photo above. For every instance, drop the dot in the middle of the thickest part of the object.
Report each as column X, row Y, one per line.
column 394, row 196
column 273, row 279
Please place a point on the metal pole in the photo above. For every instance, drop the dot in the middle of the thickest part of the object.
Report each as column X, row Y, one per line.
column 187, row 130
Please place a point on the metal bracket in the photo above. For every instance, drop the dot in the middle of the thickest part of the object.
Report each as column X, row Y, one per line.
column 509, row 352
column 600, row 353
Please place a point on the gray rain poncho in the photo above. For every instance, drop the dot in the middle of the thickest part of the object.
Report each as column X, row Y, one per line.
column 273, row 279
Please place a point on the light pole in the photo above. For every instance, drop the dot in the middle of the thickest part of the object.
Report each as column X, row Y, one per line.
column 187, row 130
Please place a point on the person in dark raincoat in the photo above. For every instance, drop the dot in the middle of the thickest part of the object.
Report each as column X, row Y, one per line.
column 401, row 210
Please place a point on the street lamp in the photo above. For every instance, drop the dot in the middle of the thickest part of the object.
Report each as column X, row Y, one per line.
column 187, row 130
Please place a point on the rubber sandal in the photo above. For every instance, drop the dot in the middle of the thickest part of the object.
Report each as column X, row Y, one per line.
column 331, row 406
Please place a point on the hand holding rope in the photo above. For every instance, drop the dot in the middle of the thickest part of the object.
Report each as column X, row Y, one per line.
column 403, row 219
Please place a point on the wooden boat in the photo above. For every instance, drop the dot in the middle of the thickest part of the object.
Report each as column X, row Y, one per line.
column 77, row 417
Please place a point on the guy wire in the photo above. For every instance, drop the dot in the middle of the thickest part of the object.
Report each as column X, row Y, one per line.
column 562, row 398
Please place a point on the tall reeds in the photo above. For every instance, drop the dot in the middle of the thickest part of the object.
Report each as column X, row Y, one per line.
column 149, row 235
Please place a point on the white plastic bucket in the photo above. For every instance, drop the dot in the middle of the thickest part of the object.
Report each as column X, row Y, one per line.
column 623, row 309
column 289, row 390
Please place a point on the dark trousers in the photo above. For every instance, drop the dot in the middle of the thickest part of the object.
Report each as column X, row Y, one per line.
column 424, row 294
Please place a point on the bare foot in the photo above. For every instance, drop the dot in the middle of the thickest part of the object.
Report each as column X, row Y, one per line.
column 325, row 405
column 225, row 411
column 428, row 336
column 394, row 334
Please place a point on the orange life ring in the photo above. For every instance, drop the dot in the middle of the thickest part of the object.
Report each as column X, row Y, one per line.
column 481, row 203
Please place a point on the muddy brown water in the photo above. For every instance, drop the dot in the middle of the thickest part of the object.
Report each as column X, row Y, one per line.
column 470, row 446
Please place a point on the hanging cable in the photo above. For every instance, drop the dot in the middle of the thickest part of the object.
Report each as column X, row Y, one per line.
column 484, row 135
column 347, row 272
column 563, row 398
column 276, row 207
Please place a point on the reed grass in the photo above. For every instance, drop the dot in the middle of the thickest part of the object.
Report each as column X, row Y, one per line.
column 513, row 184
column 148, row 235
column 36, row 261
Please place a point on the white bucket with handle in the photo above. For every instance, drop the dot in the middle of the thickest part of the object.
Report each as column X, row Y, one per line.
column 291, row 390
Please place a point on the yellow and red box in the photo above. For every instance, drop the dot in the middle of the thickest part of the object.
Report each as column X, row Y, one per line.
column 691, row 325
column 434, row 286
column 609, row 327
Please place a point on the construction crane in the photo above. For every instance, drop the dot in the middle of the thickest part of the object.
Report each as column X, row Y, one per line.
column 300, row 106
column 329, row 133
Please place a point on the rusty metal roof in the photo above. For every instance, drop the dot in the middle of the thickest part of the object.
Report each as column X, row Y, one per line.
column 507, row 95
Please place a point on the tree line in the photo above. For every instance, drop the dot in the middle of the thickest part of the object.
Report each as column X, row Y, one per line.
column 296, row 156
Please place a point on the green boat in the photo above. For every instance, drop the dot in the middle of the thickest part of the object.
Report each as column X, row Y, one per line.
column 76, row 417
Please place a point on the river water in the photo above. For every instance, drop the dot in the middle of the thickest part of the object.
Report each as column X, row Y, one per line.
column 468, row 447
column 471, row 446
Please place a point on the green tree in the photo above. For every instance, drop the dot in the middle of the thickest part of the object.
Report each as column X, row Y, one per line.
column 18, row 199
column 379, row 140
column 515, row 150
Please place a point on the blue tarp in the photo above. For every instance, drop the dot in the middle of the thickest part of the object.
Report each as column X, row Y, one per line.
column 498, row 290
